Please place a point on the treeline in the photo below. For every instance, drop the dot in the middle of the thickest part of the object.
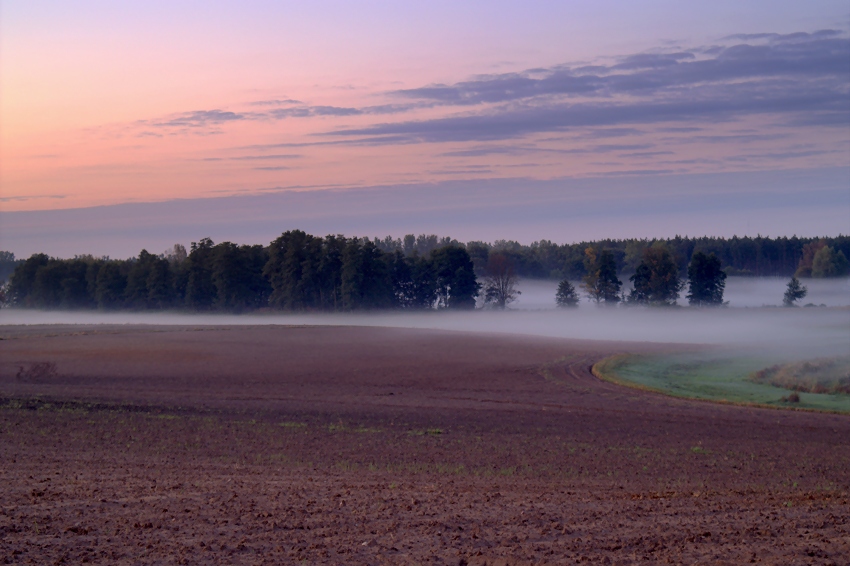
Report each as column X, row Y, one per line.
column 300, row 272
column 757, row 257
column 296, row 271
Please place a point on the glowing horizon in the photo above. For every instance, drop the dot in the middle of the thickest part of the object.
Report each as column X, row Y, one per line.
column 564, row 120
column 106, row 104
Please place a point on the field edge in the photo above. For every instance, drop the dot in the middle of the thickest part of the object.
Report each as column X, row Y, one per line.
column 606, row 370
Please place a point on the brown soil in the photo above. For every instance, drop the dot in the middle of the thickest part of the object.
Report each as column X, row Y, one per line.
column 346, row 445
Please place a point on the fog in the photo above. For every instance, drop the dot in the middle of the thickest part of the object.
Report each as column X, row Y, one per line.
column 740, row 292
column 746, row 323
column 785, row 333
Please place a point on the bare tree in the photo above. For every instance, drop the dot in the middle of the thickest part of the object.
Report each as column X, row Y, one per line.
column 500, row 281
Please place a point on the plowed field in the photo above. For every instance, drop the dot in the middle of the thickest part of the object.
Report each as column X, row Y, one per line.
column 347, row 445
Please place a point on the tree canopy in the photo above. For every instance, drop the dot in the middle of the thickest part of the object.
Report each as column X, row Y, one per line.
column 302, row 272
column 706, row 281
column 500, row 281
column 794, row 292
column 601, row 283
column 566, row 295
column 296, row 272
column 829, row 263
column 656, row 280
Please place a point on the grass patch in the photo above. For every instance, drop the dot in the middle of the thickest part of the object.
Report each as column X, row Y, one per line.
column 724, row 379
column 825, row 375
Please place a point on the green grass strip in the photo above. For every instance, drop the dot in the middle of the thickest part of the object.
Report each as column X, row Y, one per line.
column 710, row 378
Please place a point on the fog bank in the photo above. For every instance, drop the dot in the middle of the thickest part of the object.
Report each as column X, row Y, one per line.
column 793, row 333
column 740, row 292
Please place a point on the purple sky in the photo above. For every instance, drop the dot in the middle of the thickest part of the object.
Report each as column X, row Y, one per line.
column 132, row 125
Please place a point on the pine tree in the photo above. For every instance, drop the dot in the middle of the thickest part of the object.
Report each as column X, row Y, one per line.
column 566, row 295
column 794, row 292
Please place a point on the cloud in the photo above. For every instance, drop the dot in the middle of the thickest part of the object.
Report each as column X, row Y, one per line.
column 275, row 102
column 518, row 121
column 635, row 204
column 825, row 33
column 274, row 156
column 801, row 55
column 512, row 149
column 488, row 150
column 798, row 80
column 653, row 60
column 21, row 198
column 614, row 133
column 461, row 172
column 632, row 172
column 803, row 76
column 738, row 138
column 647, row 153
column 308, row 111
column 782, row 154
column 200, row 118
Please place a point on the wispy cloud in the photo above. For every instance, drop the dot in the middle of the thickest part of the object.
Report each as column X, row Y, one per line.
column 515, row 122
column 274, row 102
column 805, row 77
column 637, row 109
column 21, row 198
column 200, row 118
column 803, row 56
column 267, row 157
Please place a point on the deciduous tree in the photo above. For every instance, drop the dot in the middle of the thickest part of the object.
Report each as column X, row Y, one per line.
column 500, row 281
column 656, row 280
column 601, row 283
column 829, row 263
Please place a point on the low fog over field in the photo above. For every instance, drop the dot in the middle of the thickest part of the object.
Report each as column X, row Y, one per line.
column 740, row 292
column 787, row 333
column 791, row 333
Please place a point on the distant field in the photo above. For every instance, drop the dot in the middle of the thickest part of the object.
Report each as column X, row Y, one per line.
column 731, row 379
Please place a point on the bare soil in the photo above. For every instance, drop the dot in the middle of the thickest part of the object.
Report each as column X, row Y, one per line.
column 347, row 445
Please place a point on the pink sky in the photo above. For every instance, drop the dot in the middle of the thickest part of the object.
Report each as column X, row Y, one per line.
column 103, row 103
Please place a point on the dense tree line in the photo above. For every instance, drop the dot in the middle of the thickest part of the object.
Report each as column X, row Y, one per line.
column 301, row 272
column 749, row 256
column 296, row 272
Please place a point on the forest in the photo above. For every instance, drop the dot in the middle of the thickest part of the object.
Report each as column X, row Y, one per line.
column 301, row 272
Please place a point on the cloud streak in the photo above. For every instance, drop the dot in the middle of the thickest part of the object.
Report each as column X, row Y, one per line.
column 509, row 123
column 801, row 56
column 804, row 77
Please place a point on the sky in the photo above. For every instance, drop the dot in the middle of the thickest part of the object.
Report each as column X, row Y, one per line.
column 139, row 124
